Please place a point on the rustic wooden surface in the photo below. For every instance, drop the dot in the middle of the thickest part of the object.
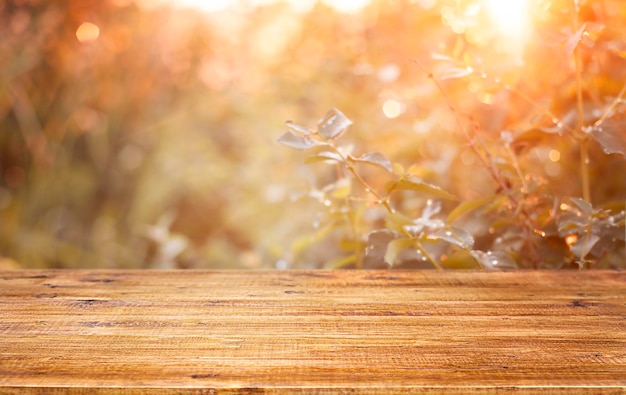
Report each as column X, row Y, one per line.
column 370, row 332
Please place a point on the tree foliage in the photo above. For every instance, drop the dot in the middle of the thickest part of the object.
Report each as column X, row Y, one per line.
column 537, row 148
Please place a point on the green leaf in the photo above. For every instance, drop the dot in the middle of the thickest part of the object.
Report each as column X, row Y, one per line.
column 293, row 140
column 493, row 259
column 333, row 124
column 534, row 137
column 453, row 235
column 340, row 262
column 397, row 222
column 583, row 245
column 413, row 183
column 376, row 159
column 592, row 33
column 467, row 206
column 611, row 137
column 298, row 129
column 349, row 244
column 377, row 242
column 584, row 206
column 460, row 260
column 571, row 223
column 340, row 189
column 573, row 40
column 398, row 168
column 395, row 247
column 324, row 156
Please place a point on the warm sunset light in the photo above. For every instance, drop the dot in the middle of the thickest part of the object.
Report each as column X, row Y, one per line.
column 206, row 6
column 346, row 6
column 313, row 134
column 510, row 17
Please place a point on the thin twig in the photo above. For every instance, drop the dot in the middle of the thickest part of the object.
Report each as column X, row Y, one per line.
column 607, row 113
column 382, row 200
column 430, row 259
column 486, row 164
column 582, row 136
column 537, row 106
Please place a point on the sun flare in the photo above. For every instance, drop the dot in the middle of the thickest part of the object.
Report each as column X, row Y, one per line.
column 347, row 6
column 510, row 17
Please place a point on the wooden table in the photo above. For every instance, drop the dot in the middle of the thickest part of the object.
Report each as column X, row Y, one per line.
column 339, row 332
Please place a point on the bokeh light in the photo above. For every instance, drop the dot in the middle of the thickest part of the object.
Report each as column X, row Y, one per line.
column 554, row 155
column 510, row 16
column 393, row 108
column 87, row 32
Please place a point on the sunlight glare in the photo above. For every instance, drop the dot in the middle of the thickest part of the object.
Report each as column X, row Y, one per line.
column 510, row 17
column 302, row 6
column 347, row 6
column 204, row 5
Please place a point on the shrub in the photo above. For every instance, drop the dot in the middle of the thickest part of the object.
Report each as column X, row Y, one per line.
column 540, row 186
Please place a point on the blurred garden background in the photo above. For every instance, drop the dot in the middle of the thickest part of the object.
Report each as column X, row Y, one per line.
column 142, row 134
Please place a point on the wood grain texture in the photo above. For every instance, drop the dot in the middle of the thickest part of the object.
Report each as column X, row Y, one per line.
column 365, row 332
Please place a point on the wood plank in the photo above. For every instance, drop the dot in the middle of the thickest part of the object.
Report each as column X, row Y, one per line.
column 336, row 332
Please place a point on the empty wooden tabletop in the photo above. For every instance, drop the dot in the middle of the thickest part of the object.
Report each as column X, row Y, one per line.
column 324, row 332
